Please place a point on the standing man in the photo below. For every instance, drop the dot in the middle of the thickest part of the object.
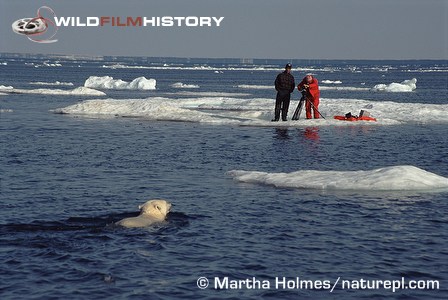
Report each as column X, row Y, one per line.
column 284, row 84
column 311, row 85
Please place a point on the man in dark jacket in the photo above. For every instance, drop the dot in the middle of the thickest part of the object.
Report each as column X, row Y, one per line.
column 284, row 84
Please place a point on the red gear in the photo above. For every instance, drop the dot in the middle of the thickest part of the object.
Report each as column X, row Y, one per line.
column 312, row 96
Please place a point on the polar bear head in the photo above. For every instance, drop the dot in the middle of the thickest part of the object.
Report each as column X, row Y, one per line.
column 155, row 208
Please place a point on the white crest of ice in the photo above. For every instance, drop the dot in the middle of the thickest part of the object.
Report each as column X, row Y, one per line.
column 382, row 179
column 180, row 85
column 108, row 82
column 404, row 86
column 52, row 83
column 343, row 88
column 255, row 87
column 79, row 91
column 48, row 64
column 331, row 82
column 208, row 94
column 217, row 69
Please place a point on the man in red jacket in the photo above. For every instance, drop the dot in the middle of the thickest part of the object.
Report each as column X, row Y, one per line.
column 311, row 85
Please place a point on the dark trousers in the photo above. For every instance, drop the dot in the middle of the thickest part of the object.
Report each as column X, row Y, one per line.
column 282, row 104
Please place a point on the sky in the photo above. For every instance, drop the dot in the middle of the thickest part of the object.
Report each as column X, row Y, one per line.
column 284, row 29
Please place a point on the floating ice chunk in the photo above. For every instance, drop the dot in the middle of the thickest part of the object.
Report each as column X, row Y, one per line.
column 79, row 91
column 405, row 86
column 180, row 85
column 208, row 94
column 256, row 87
column 382, row 179
column 331, row 82
column 85, row 91
column 52, row 83
column 56, row 64
column 343, row 88
column 108, row 82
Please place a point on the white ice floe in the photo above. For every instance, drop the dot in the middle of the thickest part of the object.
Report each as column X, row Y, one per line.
column 52, row 83
column 208, row 94
column 343, row 88
column 79, row 91
column 157, row 108
column 108, row 82
column 180, row 85
column 255, row 87
column 401, row 178
column 331, row 81
column 48, row 64
column 405, row 86
column 259, row 111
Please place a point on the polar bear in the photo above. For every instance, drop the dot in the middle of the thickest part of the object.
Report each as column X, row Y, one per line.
column 152, row 211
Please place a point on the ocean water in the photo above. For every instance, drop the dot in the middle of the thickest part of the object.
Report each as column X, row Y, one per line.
column 67, row 178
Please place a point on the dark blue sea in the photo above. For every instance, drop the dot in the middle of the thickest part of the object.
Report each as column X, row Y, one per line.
column 67, row 178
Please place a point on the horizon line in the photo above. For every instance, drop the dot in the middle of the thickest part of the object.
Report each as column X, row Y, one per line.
column 217, row 58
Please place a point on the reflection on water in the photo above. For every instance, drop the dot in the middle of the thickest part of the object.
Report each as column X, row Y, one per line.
column 312, row 133
column 281, row 134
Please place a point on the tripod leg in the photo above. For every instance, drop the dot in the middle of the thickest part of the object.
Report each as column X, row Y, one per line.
column 312, row 104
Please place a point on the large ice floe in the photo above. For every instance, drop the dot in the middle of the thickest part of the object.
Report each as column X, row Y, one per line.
column 396, row 178
column 224, row 110
column 79, row 91
column 108, row 82
column 404, row 86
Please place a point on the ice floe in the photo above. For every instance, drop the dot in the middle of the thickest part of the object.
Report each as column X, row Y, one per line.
column 258, row 111
column 180, row 85
column 52, row 83
column 108, row 82
column 382, row 179
column 79, row 91
column 331, row 82
column 256, row 87
column 404, row 86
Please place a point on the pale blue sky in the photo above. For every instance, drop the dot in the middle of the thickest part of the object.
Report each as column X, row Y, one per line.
column 312, row 29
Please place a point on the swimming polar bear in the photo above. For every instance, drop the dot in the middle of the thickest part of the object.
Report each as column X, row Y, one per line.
column 152, row 211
